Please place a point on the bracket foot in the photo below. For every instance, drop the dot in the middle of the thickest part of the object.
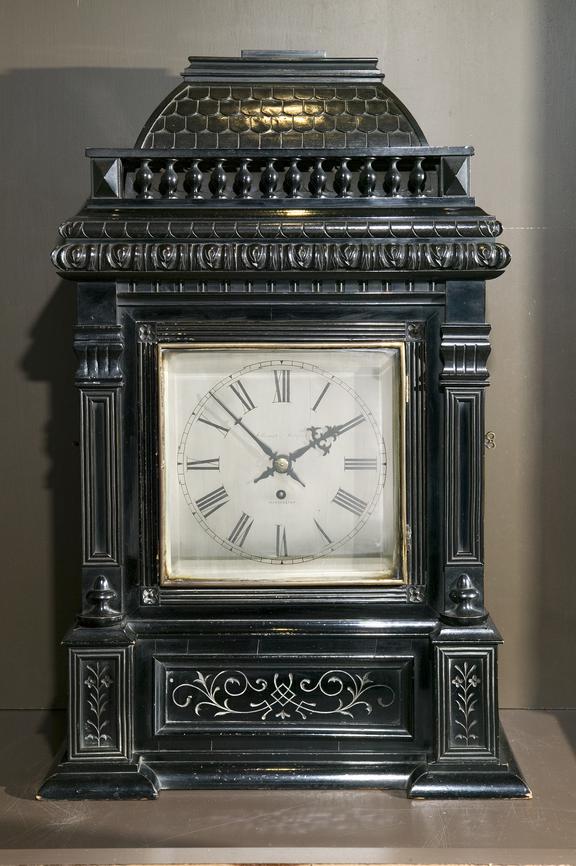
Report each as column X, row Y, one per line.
column 442, row 781
column 98, row 781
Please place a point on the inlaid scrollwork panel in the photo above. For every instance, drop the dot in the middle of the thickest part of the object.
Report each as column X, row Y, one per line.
column 204, row 695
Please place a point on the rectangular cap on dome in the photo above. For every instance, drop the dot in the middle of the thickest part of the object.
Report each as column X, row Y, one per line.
column 312, row 67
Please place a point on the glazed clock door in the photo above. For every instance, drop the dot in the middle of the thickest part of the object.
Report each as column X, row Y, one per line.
column 282, row 464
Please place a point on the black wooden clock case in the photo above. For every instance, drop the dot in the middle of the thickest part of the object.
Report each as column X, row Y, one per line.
column 282, row 199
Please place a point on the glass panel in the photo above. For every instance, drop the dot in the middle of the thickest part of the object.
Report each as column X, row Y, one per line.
column 282, row 464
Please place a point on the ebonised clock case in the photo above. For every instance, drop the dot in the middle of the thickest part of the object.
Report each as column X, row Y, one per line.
column 277, row 199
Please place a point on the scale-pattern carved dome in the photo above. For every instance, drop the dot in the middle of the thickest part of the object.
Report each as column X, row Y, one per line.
column 284, row 115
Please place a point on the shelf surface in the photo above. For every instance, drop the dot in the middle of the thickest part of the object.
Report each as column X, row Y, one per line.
column 291, row 826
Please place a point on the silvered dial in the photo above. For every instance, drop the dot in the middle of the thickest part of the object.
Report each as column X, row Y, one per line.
column 281, row 462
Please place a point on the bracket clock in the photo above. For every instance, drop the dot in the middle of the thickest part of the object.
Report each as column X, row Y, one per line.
column 282, row 356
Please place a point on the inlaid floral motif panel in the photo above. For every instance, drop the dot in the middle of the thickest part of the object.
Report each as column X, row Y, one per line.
column 466, row 718
column 98, row 697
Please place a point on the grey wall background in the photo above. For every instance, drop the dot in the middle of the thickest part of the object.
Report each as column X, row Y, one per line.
column 498, row 74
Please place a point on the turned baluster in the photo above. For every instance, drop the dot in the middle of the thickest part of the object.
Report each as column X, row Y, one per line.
column 392, row 178
column 318, row 178
column 143, row 180
column 367, row 178
column 169, row 181
column 217, row 182
column 243, row 180
column 417, row 177
column 342, row 179
column 293, row 180
column 269, row 180
column 193, row 180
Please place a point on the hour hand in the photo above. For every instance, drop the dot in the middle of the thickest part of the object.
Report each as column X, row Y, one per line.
column 315, row 441
column 320, row 439
column 266, row 474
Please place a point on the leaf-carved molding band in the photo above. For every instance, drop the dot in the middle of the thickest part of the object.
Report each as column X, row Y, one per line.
column 178, row 230
column 194, row 257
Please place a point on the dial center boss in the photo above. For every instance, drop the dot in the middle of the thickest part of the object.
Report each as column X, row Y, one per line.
column 281, row 463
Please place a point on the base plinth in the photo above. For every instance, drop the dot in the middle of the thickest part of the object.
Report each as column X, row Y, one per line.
column 467, row 781
column 97, row 782
column 144, row 781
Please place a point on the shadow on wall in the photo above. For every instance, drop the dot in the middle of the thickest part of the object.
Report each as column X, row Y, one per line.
column 47, row 359
column 555, row 393
column 49, row 117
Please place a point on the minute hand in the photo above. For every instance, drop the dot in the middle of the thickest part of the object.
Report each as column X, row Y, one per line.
column 265, row 448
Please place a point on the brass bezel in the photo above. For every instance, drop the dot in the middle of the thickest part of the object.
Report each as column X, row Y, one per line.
column 403, row 398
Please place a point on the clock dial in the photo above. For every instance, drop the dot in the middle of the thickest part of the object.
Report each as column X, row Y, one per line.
column 281, row 464
column 301, row 461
